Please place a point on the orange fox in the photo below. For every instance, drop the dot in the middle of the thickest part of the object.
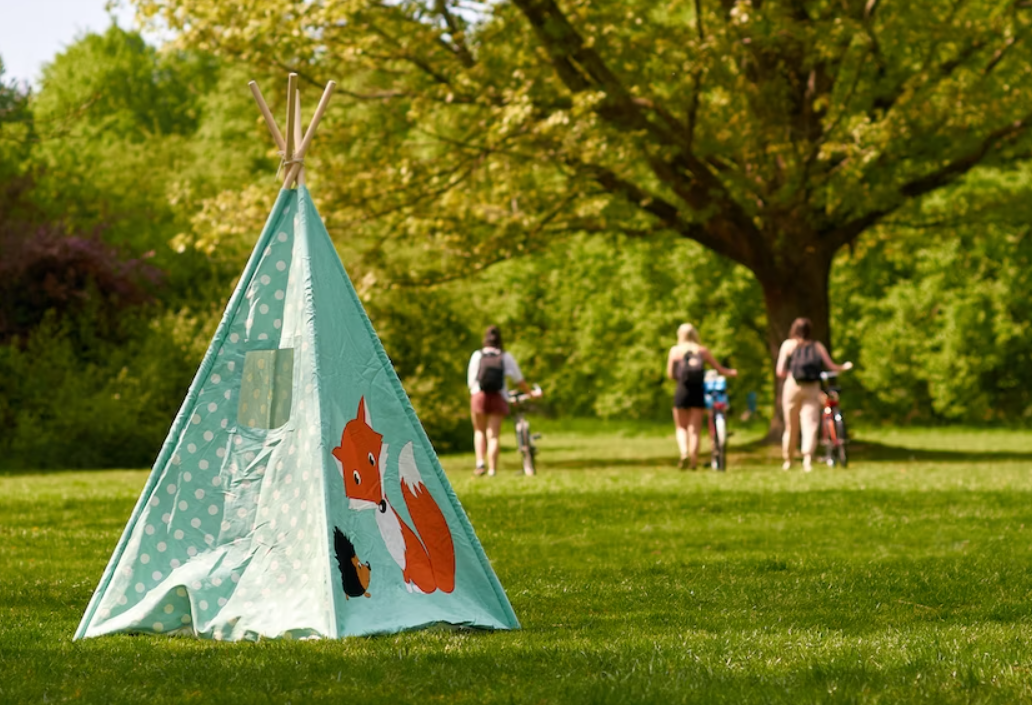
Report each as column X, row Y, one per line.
column 427, row 560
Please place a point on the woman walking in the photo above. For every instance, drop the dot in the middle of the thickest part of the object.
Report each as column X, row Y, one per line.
column 686, row 363
column 488, row 368
column 800, row 363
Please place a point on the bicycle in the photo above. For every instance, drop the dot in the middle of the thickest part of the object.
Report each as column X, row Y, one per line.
column 715, row 388
column 524, row 438
column 834, row 436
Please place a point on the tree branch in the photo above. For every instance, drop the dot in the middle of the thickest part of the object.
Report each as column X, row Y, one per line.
column 580, row 67
column 693, row 107
column 1000, row 53
column 937, row 75
column 311, row 80
column 666, row 212
column 929, row 182
column 961, row 165
column 458, row 34
column 416, row 61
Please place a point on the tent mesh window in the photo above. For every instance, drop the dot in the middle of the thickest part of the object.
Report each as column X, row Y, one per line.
column 266, row 390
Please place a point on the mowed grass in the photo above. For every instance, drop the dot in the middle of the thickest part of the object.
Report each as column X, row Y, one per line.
column 906, row 578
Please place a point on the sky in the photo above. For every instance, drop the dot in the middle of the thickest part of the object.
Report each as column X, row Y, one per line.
column 32, row 32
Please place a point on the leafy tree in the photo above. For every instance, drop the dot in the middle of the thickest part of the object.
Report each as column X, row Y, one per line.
column 117, row 121
column 94, row 357
column 15, row 141
column 938, row 306
column 773, row 132
column 139, row 141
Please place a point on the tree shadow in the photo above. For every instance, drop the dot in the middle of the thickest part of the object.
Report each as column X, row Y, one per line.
column 880, row 452
column 872, row 451
column 759, row 452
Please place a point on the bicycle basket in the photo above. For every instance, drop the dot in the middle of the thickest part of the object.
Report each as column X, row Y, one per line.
column 715, row 391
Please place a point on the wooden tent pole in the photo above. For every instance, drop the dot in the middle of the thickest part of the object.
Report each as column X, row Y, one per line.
column 309, row 134
column 270, row 122
column 297, row 134
column 288, row 153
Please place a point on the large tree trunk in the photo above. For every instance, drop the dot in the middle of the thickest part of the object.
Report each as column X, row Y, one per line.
column 797, row 289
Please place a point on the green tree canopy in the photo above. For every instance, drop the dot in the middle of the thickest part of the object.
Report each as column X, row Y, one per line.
column 773, row 132
column 15, row 133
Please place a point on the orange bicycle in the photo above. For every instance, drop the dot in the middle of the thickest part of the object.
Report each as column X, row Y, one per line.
column 834, row 437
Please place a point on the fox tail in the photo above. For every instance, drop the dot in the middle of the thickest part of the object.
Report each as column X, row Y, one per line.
column 429, row 522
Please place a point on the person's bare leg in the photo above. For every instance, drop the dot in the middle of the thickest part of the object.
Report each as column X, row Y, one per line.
column 810, row 423
column 494, row 429
column 480, row 438
column 694, row 429
column 681, row 432
column 790, row 402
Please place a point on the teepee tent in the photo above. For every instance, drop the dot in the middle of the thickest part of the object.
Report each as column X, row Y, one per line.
column 297, row 494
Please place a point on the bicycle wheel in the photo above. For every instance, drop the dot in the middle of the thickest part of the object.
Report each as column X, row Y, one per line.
column 529, row 462
column 526, row 446
column 720, row 442
column 828, row 439
column 841, row 439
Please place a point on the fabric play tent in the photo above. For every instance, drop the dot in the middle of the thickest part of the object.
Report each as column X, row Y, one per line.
column 297, row 494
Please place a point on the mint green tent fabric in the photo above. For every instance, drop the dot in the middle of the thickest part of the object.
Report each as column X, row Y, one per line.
column 245, row 528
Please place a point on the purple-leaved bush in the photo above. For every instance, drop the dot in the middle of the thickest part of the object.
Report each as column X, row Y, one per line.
column 43, row 269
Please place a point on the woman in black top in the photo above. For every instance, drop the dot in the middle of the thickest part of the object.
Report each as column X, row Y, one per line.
column 689, row 398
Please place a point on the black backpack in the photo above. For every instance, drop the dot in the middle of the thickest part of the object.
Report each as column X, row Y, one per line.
column 692, row 371
column 491, row 376
column 806, row 364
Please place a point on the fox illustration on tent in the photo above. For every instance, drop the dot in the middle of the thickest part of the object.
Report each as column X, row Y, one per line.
column 296, row 495
column 427, row 561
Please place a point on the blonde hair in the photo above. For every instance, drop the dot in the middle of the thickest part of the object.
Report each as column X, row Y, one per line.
column 686, row 333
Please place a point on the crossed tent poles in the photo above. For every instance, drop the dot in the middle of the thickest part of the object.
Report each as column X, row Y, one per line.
column 294, row 142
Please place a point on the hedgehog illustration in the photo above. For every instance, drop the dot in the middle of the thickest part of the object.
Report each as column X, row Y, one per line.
column 354, row 574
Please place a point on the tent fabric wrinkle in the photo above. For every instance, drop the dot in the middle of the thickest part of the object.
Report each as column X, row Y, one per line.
column 297, row 495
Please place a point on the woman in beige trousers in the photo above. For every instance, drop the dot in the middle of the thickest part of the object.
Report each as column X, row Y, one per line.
column 800, row 362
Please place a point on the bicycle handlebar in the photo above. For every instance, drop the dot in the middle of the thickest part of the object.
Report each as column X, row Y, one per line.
column 521, row 397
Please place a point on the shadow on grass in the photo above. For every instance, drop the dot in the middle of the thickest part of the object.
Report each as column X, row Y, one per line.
column 879, row 452
column 872, row 451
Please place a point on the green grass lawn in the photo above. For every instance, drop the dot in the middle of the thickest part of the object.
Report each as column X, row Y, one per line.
column 906, row 578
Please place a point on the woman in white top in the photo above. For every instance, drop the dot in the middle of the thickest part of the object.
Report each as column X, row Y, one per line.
column 801, row 396
column 485, row 377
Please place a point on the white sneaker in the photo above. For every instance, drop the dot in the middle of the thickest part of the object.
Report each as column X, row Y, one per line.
column 491, row 472
column 806, row 464
column 787, row 465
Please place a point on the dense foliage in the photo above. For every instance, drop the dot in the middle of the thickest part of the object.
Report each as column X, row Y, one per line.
column 774, row 132
column 135, row 180
column 939, row 310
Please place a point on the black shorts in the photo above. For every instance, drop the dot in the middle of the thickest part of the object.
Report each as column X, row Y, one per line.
column 691, row 396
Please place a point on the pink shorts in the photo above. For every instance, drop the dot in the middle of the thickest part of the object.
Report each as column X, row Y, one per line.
column 490, row 403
